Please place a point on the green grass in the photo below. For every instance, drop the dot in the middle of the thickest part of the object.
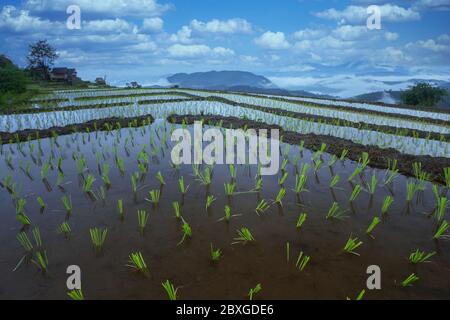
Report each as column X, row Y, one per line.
column 334, row 181
column 209, row 201
column 387, row 202
column 154, row 197
column 76, row 295
column 98, row 237
column 67, row 202
column 351, row 245
column 170, row 289
column 420, row 256
column 355, row 193
column 160, row 178
column 262, row 207
column 301, row 220
column 410, row 280
column 183, row 188
column 64, row 228
column 280, row 196
column 216, row 254
column 137, row 263
column 142, row 217
column 335, row 212
column 229, row 189
column 302, row 261
column 245, row 236
column 24, row 241
column 375, row 222
column 187, row 231
column 120, row 210
column 177, row 208
column 252, row 292
column 440, row 232
column 300, row 183
column 41, row 261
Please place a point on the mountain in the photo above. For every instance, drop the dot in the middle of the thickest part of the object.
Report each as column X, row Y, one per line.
column 219, row 80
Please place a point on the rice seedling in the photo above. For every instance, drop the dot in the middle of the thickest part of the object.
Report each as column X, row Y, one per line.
column 120, row 210
column 37, row 237
column 373, row 185
column 24, row 241
column 209, row 201
column 254, row 291
column 41, row 203
column 282, row 180
column 215, row 254
column 410, row 280
column 300, row 183
column 332, row 161
column 364, row 161
column 177, row 208
column 142, row 216
column 391, row 173
column 98, row 237
column 447, row 177
column 44, row 170
column 76, row 295
column 375, row 222
column 357, row 171
column 182, row 186
column 23, row 219
column 360, row 296
column 335, row 212
column 344, row 154
column 351, row 245
column 137, row 263
column 441, row 206
column 301, row 220
column 64, row 228
column 302, row 261
column 317, row 165
column 229, row 189
column 233, row 172
column 187, row 231
column 420, row 256
column 160, row 178
column 262, row 207
column 205, row 178
column 334, row 181
column 280, row 196
column 40, row 259
column 387, row 202
column 154, row 197
column 67, row 202
column 440, row 232
column 258, row 184
column 88, row 183
column 170, row 289
column 288, row 251
column 245, row 236
column 411, row 189
column 355, row 193
column 20, row 206
column 105, row 175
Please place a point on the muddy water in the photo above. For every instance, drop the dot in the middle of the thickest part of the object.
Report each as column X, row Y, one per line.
column 330, row 274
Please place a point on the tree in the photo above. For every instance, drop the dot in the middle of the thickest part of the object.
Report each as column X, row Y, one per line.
column 40, row 58
column 423, row 94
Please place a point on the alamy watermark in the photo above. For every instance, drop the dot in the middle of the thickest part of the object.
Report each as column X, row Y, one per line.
column 231, row 148
column 374, row 19
column 73, row 22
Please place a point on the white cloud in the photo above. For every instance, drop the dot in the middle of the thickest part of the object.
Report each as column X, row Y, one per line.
column 111, row 8
column 391, row 36
column 152, row 25
column 182, row 36
column 350, row 32
column 230, row 26
column 357, row 14
column 308, row 34
column 273, row 40
column 108, row 25
column 196, row 51
column 21, row 21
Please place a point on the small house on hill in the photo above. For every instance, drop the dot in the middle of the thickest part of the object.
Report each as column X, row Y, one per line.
column 63, row 75
column 100, row 81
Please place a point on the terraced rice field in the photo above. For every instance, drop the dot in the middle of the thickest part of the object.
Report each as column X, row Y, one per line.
column 87, row 179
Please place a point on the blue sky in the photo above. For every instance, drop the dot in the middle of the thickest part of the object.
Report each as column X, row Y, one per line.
column 316, row 45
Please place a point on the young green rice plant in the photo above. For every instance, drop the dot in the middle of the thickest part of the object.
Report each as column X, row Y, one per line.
column 88, row 183
column 391, row 173
column 288, row 252
column 334, row 181
column 280, row 196
column 105, row 175
column 372, row 187
column 215, row 254
column 440, row 232
column 177, row 208
column 154, row 197
column 282, row 180
column 317, row 165
column 67, row 202
column 408, row 282
column 76, row 295
column 262, row 207
column 23, row 219
column 205, row 178
column 360, row 296
column 301, row 220
column 357, row 171
column 375, row 222
column 98, row 237
column 44, row 170
column 64, row 228
column 258, row 184
column 351, row 245
column 302, row 261
column 41, row 203
column 344, row 154
column 420, row 256
column 160, row 178
column 20, row 206
column 441, row 206
column 245, row 236
column 284, row 164
column 254, row 291
column 233, row 172
column 335, row 212
column 137, row 263
column 170, row 289
column 37, row 237
column 229, row 189
column 300, row 183
column 81, row 165
column 411, row 189
column 209, row 201
column 182, row 186
column 40, row 260
column 387, row 202
column 187, row 231
column 120, row 165
column 24, row 241
column 120, row 210
column 332, row 161
column 364, row 161
column 447, row 177
column 355, row 193
column 142, row 216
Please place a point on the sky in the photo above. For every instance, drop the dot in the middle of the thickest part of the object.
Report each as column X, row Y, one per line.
column 315, row 45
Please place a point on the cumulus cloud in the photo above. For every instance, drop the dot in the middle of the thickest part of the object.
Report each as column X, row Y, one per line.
column 152, row 25
column 196, row 51
column 16, row 20
column 357, row 14
column 111, row 8
column 273, row 40
column 108, row 26
column 391, row 36
column 230, row 26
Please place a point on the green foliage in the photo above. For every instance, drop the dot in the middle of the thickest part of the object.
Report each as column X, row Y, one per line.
column 423, row 94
